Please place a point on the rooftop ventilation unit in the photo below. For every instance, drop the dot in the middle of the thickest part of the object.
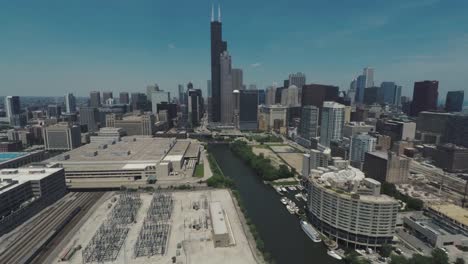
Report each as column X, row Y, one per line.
column 36, row 171
column 103, row 146
column 9, row 172
column 91, row 154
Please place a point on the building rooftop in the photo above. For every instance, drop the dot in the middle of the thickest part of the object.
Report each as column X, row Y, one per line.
column 452, row 211
column 331, row 104
column 192, row 151
column 10, row 156
column 5, row 156
column 218, row 219
column 180, row 147
column 347, row 182
column 380, row 154
column 11, row 178
column 350, row 174
column 117, row 155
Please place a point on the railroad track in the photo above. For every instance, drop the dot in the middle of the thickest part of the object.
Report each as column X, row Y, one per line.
column 29, row 243
column 49, row 248
column 29, row 227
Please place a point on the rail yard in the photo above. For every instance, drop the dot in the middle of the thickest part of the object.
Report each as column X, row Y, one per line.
column 30, row 242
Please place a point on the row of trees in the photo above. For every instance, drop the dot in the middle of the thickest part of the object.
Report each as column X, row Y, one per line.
column 260, row 164
column 253, row 229
column 218, row 180
column 411, row 203
column 265, row 138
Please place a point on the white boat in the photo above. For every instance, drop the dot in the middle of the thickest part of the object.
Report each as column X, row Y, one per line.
column 284, row 189
column 310, row 231
column 284, row 200
column 298, row 196
column 333, row 254
column 291, row 209
column 291, row 188
column 278, row 190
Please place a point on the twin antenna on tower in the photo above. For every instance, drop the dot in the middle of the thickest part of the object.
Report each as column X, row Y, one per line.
column 212, row 13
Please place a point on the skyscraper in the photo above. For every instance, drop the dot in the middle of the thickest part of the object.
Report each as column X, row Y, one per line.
column 124, row 98
column 12, row 106
column 106, row 96
column 352, row 91
column 425, row 96
column 208, row 99
column 248, row 109
column 389, row 90
column 70, row 103
column 138, row 101
column 371, row 95
column 316, row 94
column 227, row 102
column 454, row 101
column 180, row 89
column 151, row 88
column 398, row 96
column 54, row 111
column 360, row 86
column 13, row 111
column 363, row 81
column 309, row 122
column 332, row 122
column 237, row 79
column 261, row 96
column 195, row 106
column 218, row 46
column 297, row 79
column 158, row 97
column 369, row 73
column 360, row 144
column 95, row 99
column 270, row 95
column 89, row 116
column 290, row 96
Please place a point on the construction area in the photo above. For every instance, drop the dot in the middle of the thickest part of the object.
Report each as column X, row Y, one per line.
column 159, row 227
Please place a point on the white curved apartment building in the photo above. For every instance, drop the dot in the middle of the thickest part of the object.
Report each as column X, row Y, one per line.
column 348, row 208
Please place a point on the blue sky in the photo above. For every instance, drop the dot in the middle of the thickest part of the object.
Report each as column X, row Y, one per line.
column 53, row 47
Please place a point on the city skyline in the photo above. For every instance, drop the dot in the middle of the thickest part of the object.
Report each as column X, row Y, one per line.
column 125, row 47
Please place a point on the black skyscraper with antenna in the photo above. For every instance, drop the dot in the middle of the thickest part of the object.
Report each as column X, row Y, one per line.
column 218, row 46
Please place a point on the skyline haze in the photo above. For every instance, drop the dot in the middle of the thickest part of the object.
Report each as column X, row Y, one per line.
column 85, row 46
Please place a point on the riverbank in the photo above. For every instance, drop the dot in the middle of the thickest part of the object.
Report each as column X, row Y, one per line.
column 280, row 232
column 252, row 239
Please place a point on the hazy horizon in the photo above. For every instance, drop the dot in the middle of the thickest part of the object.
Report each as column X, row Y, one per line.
column 51, row 47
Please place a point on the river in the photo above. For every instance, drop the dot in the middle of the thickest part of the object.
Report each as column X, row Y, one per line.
column 280, row 231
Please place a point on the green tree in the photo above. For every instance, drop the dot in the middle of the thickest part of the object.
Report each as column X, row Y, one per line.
column 439, row 256
column 419, row 259
column 459, row 261
column 397, row 259
column 386, row 250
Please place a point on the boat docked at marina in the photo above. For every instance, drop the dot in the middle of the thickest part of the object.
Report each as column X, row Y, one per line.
column 310, row 231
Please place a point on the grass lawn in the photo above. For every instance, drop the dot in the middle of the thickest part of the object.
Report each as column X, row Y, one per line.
column 199, row 171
